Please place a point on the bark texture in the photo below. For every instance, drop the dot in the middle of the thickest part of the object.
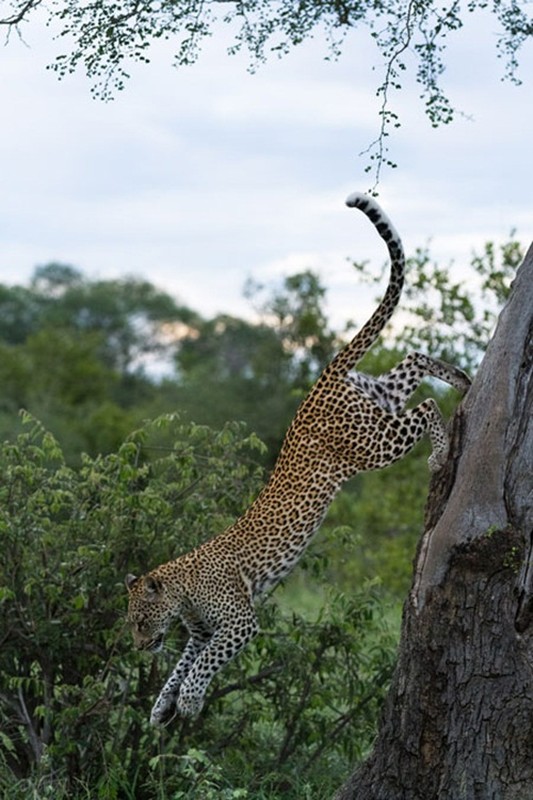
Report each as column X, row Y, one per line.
column 458, row 721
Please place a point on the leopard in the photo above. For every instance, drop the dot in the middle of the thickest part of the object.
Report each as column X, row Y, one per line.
column 349, row 422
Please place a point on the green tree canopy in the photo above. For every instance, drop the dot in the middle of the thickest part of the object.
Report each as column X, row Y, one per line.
column 72, row 350
column 296, row 312
column 258, row 371
column 130, row 314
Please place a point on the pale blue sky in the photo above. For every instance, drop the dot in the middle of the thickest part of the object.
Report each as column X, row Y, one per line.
column 199, row 178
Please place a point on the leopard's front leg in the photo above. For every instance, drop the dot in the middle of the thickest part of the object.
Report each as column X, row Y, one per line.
column 226, row 642
column 164, row 708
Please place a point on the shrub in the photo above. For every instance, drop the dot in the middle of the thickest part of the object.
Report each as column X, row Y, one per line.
column 74, row 696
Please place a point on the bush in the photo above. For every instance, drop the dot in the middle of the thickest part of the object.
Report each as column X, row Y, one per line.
column 285, row 719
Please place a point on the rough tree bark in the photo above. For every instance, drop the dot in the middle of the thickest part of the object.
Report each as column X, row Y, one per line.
column 458, row 721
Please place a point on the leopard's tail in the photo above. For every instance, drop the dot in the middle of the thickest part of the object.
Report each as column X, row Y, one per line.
column 348, row 357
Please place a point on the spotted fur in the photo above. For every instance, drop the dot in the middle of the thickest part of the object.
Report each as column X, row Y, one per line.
column 349, row 422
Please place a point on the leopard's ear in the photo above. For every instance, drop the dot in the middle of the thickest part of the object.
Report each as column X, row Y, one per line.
column 152, row 587
column 130, row 580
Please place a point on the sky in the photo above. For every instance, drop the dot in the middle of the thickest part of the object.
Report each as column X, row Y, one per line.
column 202, row 177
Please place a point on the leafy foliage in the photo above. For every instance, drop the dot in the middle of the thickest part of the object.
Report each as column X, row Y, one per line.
column 75, row 698
column 257, row 371
column 73, row 352
column 129, row 314
column 295, row 312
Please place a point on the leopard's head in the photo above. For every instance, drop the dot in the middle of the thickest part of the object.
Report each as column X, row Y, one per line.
column 150, row 611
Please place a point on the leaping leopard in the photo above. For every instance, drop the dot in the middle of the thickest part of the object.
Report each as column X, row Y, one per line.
column 348, row 422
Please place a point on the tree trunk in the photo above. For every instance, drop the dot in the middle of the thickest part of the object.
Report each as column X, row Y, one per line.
column 458, row 721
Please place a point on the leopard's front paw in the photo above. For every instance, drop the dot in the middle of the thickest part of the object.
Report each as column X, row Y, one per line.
column 164, row 710
column 189, row 704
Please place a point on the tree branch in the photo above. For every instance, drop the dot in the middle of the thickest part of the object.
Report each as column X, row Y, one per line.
column 19, row 16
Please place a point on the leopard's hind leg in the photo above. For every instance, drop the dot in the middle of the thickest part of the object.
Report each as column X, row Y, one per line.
column 393, row 389
column 397, row 434
column 400, row 429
